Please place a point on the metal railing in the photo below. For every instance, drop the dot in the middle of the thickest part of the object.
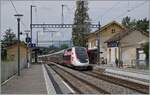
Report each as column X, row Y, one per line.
column 139, row 64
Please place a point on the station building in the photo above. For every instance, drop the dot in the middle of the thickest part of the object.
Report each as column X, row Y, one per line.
column 12, row 53
column 127, row 46
column 105, row 33
column 9, row 65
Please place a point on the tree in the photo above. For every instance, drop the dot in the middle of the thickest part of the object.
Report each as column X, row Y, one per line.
column 128, row 23
column 146, row 50
column 142, row 24
column 9, row 38
column 64, row 46
column 82, row 24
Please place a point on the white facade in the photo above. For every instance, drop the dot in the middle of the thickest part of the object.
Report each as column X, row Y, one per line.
column 129, row 49
column 112, row 54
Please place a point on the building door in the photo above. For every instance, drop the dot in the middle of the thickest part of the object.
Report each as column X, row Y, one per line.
column 140, row 56
column 110, row 55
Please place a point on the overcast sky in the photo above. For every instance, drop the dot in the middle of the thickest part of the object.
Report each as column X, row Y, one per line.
column 50, row 12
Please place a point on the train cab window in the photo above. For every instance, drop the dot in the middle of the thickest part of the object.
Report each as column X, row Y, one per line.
column 81, row 53
column 67, row 58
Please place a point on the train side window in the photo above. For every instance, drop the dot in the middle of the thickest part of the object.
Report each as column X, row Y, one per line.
column 67, row 58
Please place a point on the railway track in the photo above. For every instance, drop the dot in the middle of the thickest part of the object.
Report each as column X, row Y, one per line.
column 121, row 82
column 80, row 85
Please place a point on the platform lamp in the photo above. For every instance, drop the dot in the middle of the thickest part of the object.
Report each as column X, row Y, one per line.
column 18, row 16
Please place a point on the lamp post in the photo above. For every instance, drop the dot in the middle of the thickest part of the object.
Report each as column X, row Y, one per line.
column 62, row 15
column 18, row 51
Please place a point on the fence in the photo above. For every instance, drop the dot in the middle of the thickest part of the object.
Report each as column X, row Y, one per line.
column 55, row 43
column 139, row 64
column 9, row 68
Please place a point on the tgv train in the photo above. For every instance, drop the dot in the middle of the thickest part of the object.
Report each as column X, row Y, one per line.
column 75, row 57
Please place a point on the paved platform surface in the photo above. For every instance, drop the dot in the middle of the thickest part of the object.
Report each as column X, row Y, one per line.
column 31, row 81
column 133, row 70
column 137, row 75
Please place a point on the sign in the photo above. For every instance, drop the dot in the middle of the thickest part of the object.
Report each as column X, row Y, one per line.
column 32, row 45
column 112, row 44
column 28, row 39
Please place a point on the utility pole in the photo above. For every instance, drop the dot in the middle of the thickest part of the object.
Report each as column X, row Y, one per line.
column 31, row 20
column 31, row 31
column 18, row 45
column 98, row 43
column 62, row 15
column 83, row 42
column 37, row 38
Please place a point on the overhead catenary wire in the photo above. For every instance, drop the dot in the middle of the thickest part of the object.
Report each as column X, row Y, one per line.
column 108, row 10
column 13, row 6
column 17, row 12
column 130, row 10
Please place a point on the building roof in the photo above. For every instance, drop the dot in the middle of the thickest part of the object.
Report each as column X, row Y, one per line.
column 124, row 33
column 13, row 45
column 107, row 25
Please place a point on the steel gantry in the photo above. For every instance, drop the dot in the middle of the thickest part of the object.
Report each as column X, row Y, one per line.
column 60, row 25
column 44, row 26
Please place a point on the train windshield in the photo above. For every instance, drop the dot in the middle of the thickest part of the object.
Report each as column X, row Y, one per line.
column 81, row 53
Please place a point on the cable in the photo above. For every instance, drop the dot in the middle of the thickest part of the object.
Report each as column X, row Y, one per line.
column 107, row 11
column 14, row 6
column 23, row 24
column 137, row 6
column 110, row 8
column 17, row 12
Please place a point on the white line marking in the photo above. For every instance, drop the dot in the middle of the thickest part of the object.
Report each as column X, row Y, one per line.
column 68, row 87
column 49, row 85
column 8, row 80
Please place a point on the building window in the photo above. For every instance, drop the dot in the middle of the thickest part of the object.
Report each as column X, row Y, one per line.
column 113, row 30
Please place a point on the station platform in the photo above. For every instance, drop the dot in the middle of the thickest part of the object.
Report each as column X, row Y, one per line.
column 33, row 80
column 136, row 75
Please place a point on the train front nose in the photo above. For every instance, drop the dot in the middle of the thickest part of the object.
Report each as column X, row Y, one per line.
column 83, row 60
